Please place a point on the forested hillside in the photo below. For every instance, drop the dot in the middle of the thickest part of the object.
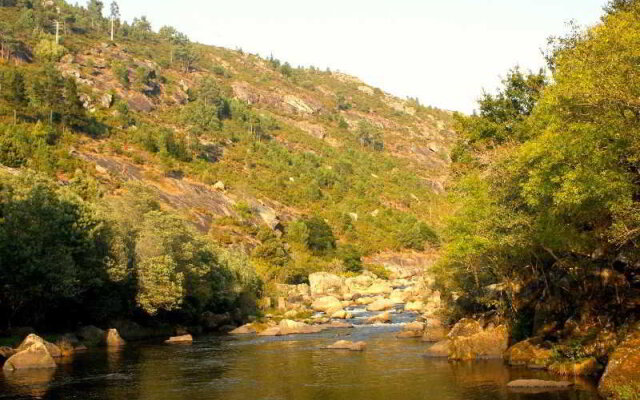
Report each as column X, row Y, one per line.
column 147, row 176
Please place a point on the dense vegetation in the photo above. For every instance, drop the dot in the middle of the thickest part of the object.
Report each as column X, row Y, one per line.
column 168, row 106
column 547, row 191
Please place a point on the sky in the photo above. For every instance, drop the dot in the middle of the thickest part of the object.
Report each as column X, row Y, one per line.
column 444, row 52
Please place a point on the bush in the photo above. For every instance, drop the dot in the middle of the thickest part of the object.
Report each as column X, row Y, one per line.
column 49, row 50
column 351, row 258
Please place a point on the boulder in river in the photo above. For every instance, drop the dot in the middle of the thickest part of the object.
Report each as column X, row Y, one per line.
column 530, row 353
column 537, row 383
column 5, row 353
column 327, row 304
column 384, row 318
column 36, row 356
column 409, row 334
column 91, row 335
column 439, row 349
column 179, row 339
column 465, row 327
column 416, row 306
column 381, row 305
column 113, row 338
column 487, row 343
column 434, row 331
column 623, row 370
column 341, row 314
column 244, row 330
column 348, row 345
column 32, row 338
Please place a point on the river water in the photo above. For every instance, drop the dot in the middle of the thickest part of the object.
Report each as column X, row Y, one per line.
column 279, row 368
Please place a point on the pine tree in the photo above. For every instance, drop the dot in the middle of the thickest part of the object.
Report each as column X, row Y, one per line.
column 73, row 111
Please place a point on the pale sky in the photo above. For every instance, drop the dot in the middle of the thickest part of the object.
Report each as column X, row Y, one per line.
column 442, row 51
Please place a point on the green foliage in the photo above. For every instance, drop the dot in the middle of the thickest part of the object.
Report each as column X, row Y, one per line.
column 351, row 258
column 413, row 234
column 52, row 248
column 121, row 73
column 370, row 136
column 558, row 196
column 13, row 87
column 49, row 51
column 321, row 237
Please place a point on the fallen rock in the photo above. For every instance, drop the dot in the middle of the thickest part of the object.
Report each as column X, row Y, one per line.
column 384, row 318
column 113, row 338
column 623, row 369
column 347, row 345
column 35, row 356
column 381, row 305
column 180, row 339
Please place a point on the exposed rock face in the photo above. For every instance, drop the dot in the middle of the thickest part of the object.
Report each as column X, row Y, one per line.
column 325, row 283
column 327, row 304
column 113, row 338
column 347, row 345
column 36, row 356
column 622, row 376
column 529, row 353
column 180, row 339
column 297, row 104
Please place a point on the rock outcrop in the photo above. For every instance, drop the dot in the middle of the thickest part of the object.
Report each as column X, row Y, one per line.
column 621, row 379
column 325, row 283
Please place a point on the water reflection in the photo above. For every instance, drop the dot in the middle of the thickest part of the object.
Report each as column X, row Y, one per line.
column 280, row 368
column 29, row 383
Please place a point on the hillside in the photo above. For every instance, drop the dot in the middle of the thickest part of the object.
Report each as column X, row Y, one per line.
column 258, row 156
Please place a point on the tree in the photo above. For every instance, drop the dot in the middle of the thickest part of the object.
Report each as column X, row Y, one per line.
column 52, row 248
column 141, row 28
column 187, row 54
column 14, row 87
column 73, row 111
column 94, row 7
column 321, row 237
column 46, row 91
column 115, row 16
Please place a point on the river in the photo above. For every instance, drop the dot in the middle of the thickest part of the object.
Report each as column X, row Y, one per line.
column 275, row 368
